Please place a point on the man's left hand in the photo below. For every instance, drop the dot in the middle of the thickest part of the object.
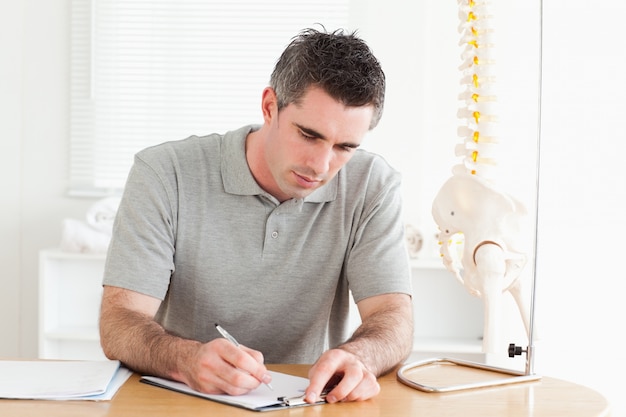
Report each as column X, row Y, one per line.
column 354, row 382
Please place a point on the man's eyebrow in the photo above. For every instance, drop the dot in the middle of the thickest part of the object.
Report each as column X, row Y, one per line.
column 310, row 131
column 316, row 134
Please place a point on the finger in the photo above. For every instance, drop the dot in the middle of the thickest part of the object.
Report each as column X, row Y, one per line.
column 350, row 380
column 247, row 361
column 355, row 387
column 219, row 370
column 234, row 381
column 258, row 356
column 319, row 376
column 255, row 367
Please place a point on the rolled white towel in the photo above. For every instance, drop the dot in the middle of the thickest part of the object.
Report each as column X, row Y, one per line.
column 78, row 236
column 101, row 214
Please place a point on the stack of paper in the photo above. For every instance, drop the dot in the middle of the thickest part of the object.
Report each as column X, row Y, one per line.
column 61, row 380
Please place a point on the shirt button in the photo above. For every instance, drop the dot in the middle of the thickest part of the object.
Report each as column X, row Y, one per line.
column 274, row 234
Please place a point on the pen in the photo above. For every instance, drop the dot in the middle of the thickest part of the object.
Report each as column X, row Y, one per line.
column 234, row 341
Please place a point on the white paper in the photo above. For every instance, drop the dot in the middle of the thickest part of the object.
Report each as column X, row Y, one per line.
column 118, row 380
column 61, row 380
column 284, row 386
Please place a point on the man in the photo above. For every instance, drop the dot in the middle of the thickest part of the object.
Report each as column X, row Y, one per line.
column 264, row 230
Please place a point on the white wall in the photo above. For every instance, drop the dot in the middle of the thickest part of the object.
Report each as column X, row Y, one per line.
column 582, row 179
column 10, row 148
column 34, row 141
column 581, row 248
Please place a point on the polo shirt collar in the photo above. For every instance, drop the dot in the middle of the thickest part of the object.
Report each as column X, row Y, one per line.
column 238, row 179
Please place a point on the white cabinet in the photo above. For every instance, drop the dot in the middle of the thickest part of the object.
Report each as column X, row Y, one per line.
column 70, row 289
column 448, row 320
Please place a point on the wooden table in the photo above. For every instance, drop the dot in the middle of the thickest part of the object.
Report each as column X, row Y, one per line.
column 547, row 397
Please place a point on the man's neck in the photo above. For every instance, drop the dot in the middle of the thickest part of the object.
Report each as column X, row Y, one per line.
column 258, row 166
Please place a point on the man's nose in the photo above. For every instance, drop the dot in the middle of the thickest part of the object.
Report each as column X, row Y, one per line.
column 320, row 159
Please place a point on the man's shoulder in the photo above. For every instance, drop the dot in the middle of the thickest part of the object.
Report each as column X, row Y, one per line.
column 367, row 177
column 194, row 147
column 368, row 165
column 183, row 147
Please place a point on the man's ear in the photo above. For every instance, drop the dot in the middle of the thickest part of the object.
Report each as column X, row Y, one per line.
column 269, row 104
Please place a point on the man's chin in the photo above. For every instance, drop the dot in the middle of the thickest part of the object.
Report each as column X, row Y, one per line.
column 300, row 193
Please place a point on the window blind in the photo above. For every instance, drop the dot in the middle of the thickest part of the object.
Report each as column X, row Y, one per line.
column 148, row 71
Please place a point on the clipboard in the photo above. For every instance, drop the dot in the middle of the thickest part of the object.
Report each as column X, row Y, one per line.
column 288, row 392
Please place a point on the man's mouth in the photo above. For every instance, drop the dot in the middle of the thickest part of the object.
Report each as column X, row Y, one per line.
column 306, row 182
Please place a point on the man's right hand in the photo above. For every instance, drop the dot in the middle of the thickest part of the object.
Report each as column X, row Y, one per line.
column 221, row 367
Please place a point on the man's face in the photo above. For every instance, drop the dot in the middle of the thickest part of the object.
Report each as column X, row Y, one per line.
column 309, row 142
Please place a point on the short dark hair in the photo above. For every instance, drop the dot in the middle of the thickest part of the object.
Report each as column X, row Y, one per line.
column 340, row 63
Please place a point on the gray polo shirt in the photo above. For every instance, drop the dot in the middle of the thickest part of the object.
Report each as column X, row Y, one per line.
column 195, row 230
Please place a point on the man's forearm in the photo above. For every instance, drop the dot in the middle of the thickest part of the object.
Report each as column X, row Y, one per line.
column 385, row 337
column 142, row 344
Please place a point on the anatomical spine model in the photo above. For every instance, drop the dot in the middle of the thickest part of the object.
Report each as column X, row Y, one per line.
column 470, row 209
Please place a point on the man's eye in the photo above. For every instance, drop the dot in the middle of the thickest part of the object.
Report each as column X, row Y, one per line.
column 347, row 148
column 305, row 136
